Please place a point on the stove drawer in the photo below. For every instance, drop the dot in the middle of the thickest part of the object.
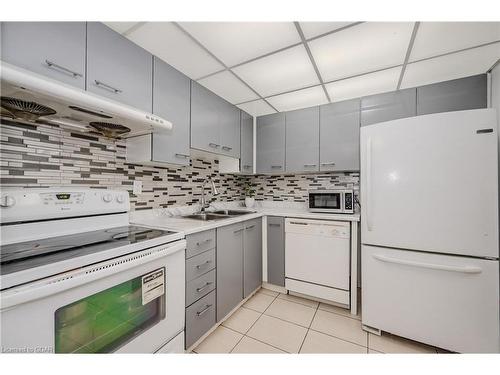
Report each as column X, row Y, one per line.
column 197, row 288
column 200, row 264
column 200, row 317
column 197, row 243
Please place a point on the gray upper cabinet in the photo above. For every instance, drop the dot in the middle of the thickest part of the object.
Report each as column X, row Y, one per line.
column 252, row 256
column 276, row 250
column 388, row 106
column 271, row 143
column 171, row 100
column 246, row 143
column 117, row 68
column 229, row 268
column 339, row 141
column 204, row 119
column 455, row 95
column 302, row 140
column 229, row 129
column 53, row 49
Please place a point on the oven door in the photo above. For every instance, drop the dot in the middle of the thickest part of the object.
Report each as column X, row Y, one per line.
column 326, row 201
column 133, row 304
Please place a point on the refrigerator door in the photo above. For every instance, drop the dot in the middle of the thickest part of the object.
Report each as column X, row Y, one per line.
column 443, row 300
column 430, row 183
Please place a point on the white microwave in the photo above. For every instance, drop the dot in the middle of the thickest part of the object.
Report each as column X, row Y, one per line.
column 331, row 201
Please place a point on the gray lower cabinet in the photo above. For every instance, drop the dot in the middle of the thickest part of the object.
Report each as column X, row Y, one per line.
column 246, row 161
column 455, row 95
column 229, row 268
column 200, row 317
column 117, row 68
column 276, row 250
column 252, row 256
column 53, row 49
column 339, row 136
column 271, row 143
column 302, row 140
column 388, row 106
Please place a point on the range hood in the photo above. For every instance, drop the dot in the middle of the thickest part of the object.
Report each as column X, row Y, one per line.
column 33, row 98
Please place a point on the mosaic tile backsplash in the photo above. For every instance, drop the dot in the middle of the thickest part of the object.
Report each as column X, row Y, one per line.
column 46, row 156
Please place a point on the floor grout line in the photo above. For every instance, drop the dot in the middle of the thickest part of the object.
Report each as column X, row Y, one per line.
column 309, row 328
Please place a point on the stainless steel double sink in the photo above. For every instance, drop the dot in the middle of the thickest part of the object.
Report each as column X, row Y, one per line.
column 216, row 215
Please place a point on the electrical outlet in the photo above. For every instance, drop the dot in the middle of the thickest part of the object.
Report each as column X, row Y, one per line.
column 137, row 187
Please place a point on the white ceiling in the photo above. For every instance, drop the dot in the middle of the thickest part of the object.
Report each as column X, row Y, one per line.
column 264, row 67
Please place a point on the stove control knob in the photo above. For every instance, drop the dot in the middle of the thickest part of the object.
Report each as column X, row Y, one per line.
column 7, row 201
column 107, row 197
column 120, row 198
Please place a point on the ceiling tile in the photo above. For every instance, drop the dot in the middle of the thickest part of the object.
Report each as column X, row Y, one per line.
column 235, row 42
column 367, row 84
column 226, row 85
column 120, row 27
column 435, row 38
column 360, row 49
column 257, row 108
column 170, row 44
column 312, row 29
column 455, row 65
column 299, row 99
column 283, row 71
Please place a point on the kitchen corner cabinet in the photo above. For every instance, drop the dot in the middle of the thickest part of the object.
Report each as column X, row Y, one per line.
column 271, row 143
column 246, row 162
column 388, row 106
column 252, row 256
column 339, row 140
column 302, row 140
column 117, row 68
column 455, row 95
column 276, row 250
column 53, row 49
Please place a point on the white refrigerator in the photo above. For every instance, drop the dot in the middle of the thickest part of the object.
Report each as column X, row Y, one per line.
column 429, row 229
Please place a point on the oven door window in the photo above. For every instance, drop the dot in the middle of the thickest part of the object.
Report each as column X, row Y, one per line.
column 104, row 321
column 327, row 201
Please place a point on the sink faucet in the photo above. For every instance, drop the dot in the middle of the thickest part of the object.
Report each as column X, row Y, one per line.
column 213, row 190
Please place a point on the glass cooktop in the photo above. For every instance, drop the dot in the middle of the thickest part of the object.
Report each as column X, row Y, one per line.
column 24, row 255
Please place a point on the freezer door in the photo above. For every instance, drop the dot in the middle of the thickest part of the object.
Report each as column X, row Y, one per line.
column 443, row 300
column 431, row 183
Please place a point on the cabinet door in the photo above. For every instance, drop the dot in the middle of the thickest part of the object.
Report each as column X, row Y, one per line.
column 339, row 140
column 271, row 143
column 53, row 49
column 229, row 268
column 171, row 100
column 229, row 129
column 204, row 119
column 275, row 250
column 302, row 140
column 455, row 95
column 117, row 68
column 388, row 106
column 246, row 143
column 252, row 256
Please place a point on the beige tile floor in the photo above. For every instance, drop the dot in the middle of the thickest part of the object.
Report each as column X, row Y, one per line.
column 272, row 322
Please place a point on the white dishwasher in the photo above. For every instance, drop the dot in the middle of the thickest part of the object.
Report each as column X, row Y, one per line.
column 317, row 259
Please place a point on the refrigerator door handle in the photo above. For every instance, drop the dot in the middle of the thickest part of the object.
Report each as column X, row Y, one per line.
column 440, row 267
column 369, row 224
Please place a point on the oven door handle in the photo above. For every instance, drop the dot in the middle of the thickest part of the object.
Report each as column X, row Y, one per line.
column 73, row 279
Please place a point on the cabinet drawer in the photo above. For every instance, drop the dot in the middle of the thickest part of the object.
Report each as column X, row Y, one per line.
column 197, row 288
column 200, row 264
column 199, row 242
column 200, row 317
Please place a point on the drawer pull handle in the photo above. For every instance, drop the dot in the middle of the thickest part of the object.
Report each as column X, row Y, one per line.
column 214, row 145
column 204, row 241
column 309, row 165
column 439, row 267
column 331, row 163
column 227, row 148
column 238, row 230
column 62, row 69
column 247, row 166
column 182, row 156
column 200, row 289
column 276, row 167
column 203, row 264
column 200, row 313
column 298, row 223
column 107, row 87
column 250, row 227
column 274, row 225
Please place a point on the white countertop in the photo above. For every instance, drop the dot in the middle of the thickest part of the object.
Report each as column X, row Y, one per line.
column 160, row 219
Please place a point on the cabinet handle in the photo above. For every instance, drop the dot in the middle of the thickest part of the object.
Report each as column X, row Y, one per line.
column 204, row 287
column 204, row 241
column 62, row 69
column 250, row 227
column 227, row 148
column 309, row 165
column 200, row 313
column 214, row 145
column 274, row 225
column 107, row 87
column 432, row 266
column 331, row 163
column 247, row 166
column 298, row 223
column 203, row 264
column 276, row 167
column 182, row 156
column 238, row 230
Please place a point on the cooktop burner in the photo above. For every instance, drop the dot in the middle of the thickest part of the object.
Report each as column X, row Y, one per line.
column 24, row 255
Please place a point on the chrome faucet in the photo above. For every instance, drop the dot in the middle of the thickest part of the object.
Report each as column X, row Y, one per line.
column 213, row 190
